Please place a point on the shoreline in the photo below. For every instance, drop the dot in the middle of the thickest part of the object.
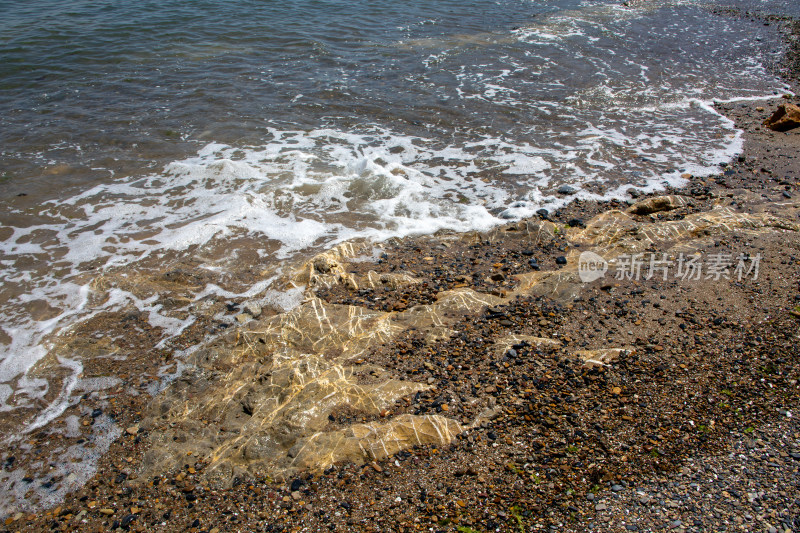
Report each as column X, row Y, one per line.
column 517, row 466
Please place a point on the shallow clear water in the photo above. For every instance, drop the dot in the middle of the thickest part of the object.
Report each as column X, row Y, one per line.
column 133, row 134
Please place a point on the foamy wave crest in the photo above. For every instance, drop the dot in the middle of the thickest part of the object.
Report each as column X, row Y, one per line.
column 305, row 190
column 298, row 192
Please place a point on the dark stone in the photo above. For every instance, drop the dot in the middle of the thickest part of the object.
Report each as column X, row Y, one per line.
column 493, row 312
column 561, row 260
column 543, row 213
column 296, row 484
column 576, row 223
column 127, row 521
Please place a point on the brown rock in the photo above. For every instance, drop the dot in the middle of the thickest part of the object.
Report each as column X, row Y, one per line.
column 656, row 204
column 604, row 356
column 785, row 118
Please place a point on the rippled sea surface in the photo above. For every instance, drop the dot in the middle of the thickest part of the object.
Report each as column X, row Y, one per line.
column 137, row 134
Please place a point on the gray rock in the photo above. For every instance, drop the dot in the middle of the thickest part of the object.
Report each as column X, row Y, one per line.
column 252, row 308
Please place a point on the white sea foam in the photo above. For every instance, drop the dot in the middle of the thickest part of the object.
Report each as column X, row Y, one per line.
column 72, row 466
column 288, row 191
column 305, row 189
column 60, row 404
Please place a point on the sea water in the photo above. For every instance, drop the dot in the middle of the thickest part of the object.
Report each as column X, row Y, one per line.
column 244, row 135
